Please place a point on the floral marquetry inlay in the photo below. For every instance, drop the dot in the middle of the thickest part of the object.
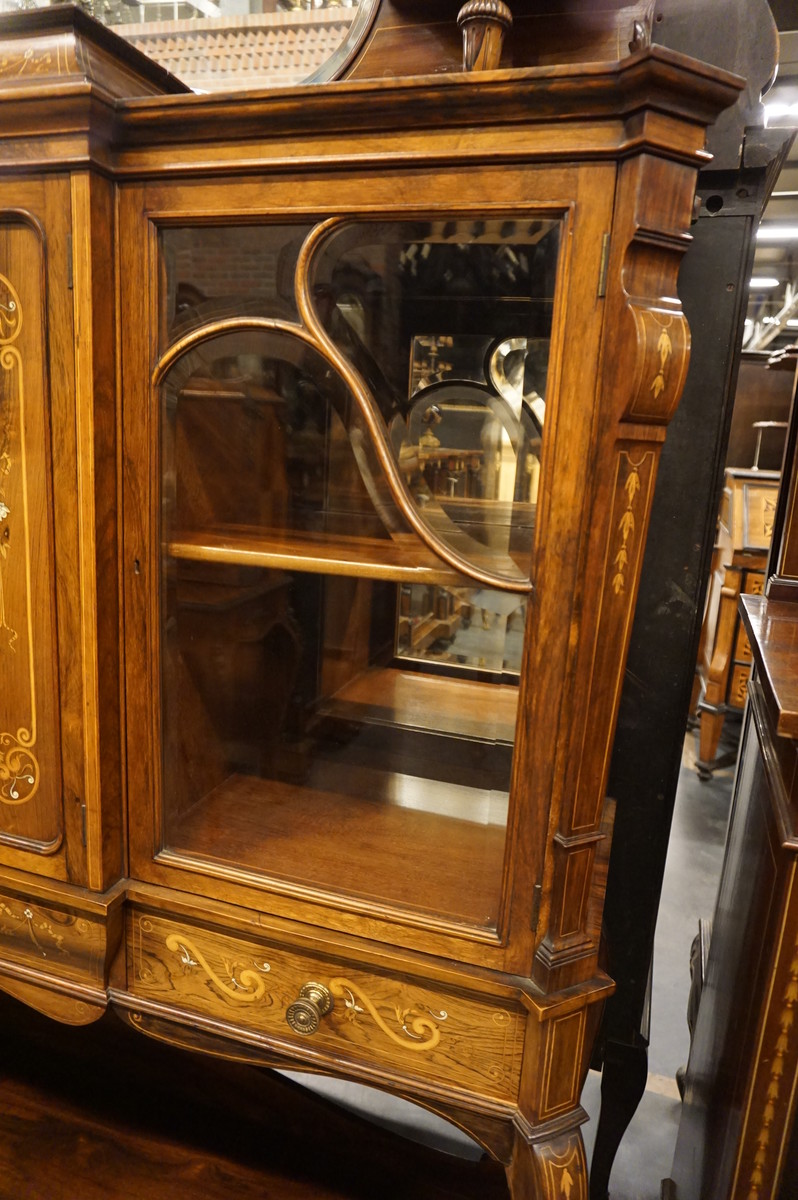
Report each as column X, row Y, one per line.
column 28, row 62
column 779, row 1085
column 246, row 983
column 663, row 343
column 19, row 768
column 26, row 921
column 420, row 1030
column 626, row 529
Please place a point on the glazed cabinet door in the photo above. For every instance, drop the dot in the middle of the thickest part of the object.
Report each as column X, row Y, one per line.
column 48, row 598
column 335, row 453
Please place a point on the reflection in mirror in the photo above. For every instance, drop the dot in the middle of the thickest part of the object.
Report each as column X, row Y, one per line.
column 234, row 45
column 465, row 629
column 449, row 324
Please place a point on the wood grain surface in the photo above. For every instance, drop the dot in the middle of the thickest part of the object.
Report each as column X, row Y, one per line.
column 772, row 627
column 80, row 1119
column 344, row 834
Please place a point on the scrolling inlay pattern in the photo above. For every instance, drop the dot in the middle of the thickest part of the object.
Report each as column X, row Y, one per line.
column 19, row 768
column 34, row 926
column 27, row 62
column 245, row 987
column 786, row 1023
column 312, row 332
column 421, row 1032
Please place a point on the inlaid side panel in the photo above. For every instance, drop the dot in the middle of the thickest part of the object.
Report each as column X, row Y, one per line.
column 30, row 771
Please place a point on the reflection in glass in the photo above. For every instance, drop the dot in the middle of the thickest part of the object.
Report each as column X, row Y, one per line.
column 257, row 431
column 217, row 271
column 338, row 703
column 449, row 324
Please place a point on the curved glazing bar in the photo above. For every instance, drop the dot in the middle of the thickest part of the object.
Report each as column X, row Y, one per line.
column 410, row 310
column 215, row 272
column 262, row 435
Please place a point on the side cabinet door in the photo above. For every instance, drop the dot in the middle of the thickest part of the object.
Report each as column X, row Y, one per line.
column 40, row 792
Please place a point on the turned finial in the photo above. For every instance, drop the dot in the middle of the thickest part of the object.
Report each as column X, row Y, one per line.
column 484, row 24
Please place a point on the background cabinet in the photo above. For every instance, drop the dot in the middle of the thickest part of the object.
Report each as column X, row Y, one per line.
column 737, row 1136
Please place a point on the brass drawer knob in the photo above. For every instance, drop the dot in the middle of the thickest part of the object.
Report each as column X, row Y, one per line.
column 313, row 1003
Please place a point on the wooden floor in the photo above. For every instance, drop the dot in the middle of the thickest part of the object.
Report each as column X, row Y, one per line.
column 103, row 1113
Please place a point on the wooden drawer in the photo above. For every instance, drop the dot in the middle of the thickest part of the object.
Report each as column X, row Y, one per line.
column 401, row 1026
column 55, row 938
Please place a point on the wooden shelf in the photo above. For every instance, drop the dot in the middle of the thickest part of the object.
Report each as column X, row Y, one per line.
column 431, row 703
column 327, row 554
column 356, row 832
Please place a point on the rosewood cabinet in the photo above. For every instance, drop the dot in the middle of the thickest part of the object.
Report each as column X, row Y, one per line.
column 340, row 434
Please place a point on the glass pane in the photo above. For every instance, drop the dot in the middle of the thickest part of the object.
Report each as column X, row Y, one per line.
column 260, row 439
column 339, row 704
column 212, row 272
column 449, row 324
column 300, row 747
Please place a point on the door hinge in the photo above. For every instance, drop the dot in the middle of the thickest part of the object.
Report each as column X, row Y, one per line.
column 83, row 822
column 69, row 261
column 605, row 258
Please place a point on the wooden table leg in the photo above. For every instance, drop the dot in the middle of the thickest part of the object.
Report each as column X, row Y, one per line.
column 713, row 705
column 548, row 1168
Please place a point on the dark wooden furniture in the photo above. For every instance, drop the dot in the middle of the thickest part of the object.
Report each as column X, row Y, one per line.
column 656, row 696
column 737, row 1132
column 230, row 808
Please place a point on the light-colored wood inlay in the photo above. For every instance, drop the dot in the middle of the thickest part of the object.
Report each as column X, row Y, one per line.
column 407, row 1028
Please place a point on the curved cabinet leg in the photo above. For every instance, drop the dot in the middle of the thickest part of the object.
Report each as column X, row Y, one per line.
column 551, row 1168
column 623, row 1082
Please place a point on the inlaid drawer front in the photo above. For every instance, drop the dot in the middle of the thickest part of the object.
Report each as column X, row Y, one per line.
column 68, row 943
column 337, row 1008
